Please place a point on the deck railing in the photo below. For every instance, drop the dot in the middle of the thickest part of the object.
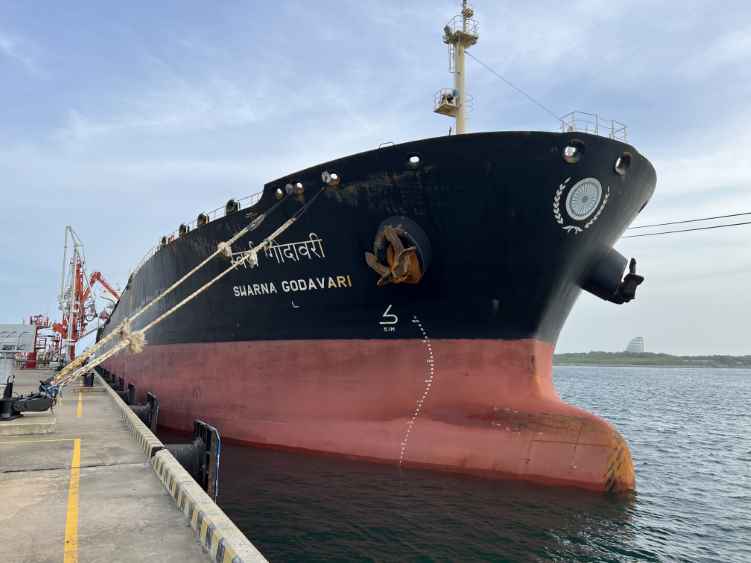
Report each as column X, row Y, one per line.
column 593, row 123
column 245, row 202
column 571, row 122
column 457, row 25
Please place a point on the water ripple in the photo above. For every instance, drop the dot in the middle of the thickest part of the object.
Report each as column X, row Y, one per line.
column 690, row 436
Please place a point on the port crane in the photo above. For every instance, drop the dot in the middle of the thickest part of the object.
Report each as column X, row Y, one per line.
column 77, row 303
column 77, row 300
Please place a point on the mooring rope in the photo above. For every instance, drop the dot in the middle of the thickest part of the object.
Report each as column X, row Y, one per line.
column 118, row 331
column 135, row 340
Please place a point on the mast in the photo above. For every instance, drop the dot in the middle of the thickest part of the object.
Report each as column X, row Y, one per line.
column 71, row 289
column 62, row 276
column 459, row 34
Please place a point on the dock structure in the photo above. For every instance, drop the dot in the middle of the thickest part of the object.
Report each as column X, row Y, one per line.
column 87, row 483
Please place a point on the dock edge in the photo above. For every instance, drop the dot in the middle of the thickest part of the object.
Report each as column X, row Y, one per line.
column 219, row 536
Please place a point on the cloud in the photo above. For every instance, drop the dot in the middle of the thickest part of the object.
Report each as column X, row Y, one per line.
column 704, row 173
column 19, row 51
column 726, row 50
column 174, row 108
column 178, row 120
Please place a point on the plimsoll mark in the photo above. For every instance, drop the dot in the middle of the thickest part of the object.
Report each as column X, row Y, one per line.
column 430, row 362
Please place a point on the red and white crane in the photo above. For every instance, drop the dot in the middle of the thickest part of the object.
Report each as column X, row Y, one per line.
column 77, row 301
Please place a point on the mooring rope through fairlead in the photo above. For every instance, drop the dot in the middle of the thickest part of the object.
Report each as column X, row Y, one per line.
column 136, row 340
column 123, row 327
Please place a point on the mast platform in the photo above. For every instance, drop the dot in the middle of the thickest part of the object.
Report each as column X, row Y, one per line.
column 446, row 102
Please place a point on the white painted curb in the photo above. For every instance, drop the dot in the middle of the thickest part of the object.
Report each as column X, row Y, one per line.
column 218, row 535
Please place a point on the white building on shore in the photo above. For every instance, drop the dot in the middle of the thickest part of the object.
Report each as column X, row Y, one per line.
column 636, row 346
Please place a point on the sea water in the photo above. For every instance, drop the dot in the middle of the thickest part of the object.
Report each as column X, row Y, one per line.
column 690, row 436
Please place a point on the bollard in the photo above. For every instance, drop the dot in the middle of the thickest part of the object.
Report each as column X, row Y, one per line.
column 120, row 390
column 104, row 374
column 130, row 395
column 148, row 412
column 12, row 407
column 7, row 412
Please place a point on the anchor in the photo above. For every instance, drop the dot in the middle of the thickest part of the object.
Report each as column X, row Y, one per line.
column 403, row 263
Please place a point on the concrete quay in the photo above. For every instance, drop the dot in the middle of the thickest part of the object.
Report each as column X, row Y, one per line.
column 78, row 485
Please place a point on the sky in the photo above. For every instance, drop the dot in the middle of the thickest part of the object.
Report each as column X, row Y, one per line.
column 126, row 119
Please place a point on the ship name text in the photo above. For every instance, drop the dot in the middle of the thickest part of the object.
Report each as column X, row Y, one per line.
column 293, row 286
column 310, row 248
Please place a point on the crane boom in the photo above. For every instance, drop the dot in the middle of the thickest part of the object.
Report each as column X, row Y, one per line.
column 98, row 277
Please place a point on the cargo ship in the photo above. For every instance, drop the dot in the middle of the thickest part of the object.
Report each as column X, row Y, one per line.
column 409, row 316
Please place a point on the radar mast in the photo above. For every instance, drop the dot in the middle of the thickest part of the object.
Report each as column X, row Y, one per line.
column 459, row 34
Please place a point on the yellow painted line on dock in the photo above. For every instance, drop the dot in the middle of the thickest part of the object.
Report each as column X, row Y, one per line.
column 79, row 407
column 71, row 520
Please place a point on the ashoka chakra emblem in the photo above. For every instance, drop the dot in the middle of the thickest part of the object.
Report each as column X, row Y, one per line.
column 583, row 199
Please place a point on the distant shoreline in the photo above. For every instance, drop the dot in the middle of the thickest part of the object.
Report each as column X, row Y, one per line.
column 648, row 359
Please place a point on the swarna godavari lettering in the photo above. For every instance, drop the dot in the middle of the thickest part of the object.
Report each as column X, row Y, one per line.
column 293, row 286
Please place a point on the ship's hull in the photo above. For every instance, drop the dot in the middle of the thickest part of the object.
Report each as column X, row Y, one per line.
column 305, row 351
column 489, row 409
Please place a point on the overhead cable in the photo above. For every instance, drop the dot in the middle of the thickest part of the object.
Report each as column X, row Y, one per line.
column 511, row 85
column 557, row 118
column 691, row 220
column 689, row 230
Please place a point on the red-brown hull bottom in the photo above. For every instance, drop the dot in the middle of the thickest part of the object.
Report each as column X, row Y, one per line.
column 484, row 407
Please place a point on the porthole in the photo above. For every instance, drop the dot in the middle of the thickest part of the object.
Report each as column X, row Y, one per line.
column 573, row 151
column 622, row 164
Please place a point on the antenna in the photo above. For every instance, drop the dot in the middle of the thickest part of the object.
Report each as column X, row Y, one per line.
column 459, row 34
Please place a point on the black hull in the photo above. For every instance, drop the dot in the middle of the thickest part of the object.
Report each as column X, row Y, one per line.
column 503, row 263
column 306, row 351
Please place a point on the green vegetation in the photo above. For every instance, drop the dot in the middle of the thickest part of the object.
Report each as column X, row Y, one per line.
column 649, row 359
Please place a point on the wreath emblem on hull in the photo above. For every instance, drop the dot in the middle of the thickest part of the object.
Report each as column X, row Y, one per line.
column 583, row 204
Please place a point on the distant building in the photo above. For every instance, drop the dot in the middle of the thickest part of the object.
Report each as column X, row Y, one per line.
column 636, row 346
